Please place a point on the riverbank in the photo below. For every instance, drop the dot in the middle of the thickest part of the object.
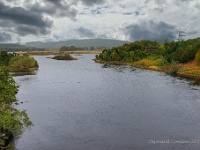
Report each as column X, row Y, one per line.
column 13, row 121
column 42, row 53
column 188, row 70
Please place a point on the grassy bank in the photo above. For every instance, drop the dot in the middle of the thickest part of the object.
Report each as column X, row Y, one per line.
column 188, row 70
column 12, row 121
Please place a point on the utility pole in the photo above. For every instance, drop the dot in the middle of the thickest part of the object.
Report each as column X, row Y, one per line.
column 181, row 34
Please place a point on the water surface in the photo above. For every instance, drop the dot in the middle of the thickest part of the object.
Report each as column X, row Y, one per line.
column 82, row 105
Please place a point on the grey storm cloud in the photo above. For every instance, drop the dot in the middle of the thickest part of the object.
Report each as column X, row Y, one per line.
column 4, row 37
column 56, row 2
column 197, row 6
column 151, row 31
column 58, row 8
column 21, row 18
column 33, row 18
column 92, row 2
column 62, row 8
column 20, row 15
column 84, row 32
column 86, row 2
column 26, row 30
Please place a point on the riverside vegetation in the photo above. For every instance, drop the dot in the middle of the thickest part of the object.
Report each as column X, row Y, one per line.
column 12, row 121
column 18, row 63
column 178, row 58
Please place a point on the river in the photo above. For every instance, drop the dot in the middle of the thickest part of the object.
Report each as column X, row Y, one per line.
column 83, row 105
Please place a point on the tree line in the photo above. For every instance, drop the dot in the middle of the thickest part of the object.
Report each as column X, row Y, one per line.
column 180, row 51
column 73, row 48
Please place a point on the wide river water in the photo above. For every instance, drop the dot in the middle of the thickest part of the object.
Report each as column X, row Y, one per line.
column 83, row 105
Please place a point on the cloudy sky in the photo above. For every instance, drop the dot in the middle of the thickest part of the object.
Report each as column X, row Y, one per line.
column 56, row 20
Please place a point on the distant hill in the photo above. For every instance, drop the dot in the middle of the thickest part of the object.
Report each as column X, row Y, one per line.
column 83, row 44
column 87, row 43
column 14, row 47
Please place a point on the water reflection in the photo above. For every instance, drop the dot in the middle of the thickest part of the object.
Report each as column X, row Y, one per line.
column 14, row 74
column 26, row 79
column 106, row 65
column 196, row 82
column 119, row 68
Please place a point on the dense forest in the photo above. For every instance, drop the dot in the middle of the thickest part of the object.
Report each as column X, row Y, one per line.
column 181, row 51
column 12, row 121
column 169, row 56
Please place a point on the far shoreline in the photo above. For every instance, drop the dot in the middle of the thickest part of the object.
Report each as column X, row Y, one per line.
column 42, row 53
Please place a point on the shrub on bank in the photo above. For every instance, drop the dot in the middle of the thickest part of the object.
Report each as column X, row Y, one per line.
column 22, row 63
column 184, row 55
column 197, row 58
column 172, row 68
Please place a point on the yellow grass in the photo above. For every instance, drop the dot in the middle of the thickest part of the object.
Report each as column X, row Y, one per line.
column 190, row 69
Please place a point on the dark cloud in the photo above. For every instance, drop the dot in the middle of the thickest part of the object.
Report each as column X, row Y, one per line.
column 92, row 2
column 26, row 30
column 128, row 13
column 136, row 13
column 20, row 15
column 151, row 31
column 24, row 21
column 198, row 6
column 192, row 32
column 28, row 18
column 84, row 32
column 55, row 2
column 58, row 8
column 62, row 8
column 5, row 37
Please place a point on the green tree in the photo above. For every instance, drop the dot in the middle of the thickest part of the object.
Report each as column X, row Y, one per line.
column 5, row 57
column 12, row 120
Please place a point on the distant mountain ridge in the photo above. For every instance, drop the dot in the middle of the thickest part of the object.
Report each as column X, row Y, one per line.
column 96, row 43
column 12, row 45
